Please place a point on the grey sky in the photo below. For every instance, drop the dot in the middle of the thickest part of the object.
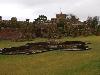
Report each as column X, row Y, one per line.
column 32, row 8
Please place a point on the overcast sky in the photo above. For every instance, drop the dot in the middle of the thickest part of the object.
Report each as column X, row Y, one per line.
column 23, row 9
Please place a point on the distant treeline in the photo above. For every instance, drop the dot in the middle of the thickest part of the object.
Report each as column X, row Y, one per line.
column 62, row 26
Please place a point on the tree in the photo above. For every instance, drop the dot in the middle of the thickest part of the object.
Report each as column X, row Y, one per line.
column 95, row 22
column 92, row 22
column 73, row 18
column 13, row 22
column 98, row 30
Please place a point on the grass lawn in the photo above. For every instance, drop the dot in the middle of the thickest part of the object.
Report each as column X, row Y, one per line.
column 54, row 62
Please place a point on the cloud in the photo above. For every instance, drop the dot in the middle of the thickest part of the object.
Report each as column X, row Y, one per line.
column 32, row 8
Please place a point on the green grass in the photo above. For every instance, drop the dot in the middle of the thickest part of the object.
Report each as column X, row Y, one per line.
column 54, row 62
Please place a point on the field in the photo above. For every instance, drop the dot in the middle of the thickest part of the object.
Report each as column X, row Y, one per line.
column 53, row 62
